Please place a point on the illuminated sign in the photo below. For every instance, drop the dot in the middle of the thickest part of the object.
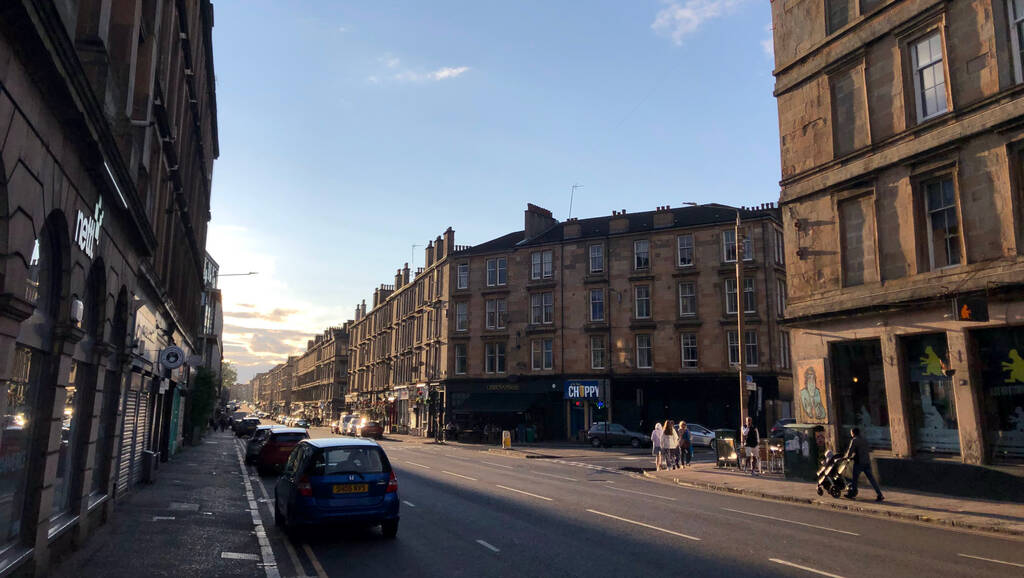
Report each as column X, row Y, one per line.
column 583, row 389
column 87, row 229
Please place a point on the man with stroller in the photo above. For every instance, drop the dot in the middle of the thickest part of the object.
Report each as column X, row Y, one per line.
column 859, row 455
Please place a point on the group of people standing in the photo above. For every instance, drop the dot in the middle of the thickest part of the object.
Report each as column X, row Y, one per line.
column 671, row 445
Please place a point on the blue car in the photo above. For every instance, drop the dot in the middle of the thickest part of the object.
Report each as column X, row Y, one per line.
column 337, row 480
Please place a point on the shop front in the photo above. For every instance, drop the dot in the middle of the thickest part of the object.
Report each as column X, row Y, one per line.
column 530, row 409
column 929, row 389
column 858, row 379
column 1000, row 358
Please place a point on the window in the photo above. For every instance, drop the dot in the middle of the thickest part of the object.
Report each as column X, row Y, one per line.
column 729, row 247
column 462, row 276
column 943, row 226
column 597, row 304
column 687, row 300
column 688, row 342
column 461, row 316
column 929, row 76
column 780, row 248
column 542, row 308
column 542, row 353
column 784, row 349
column 596, row 258
column 750, row 345
column 749, row 299
column 496, row 273
column 460, row 358
column 837, row 14
column 540, row 267
column 685, row 250
column 643, row 301
column 496, row 309
column 641, row 254
column 597, row 352
column 734, row 348
column 643, row 351
column 730, row 296
column 780, row 296
column 1017, row 35
column 494, row 357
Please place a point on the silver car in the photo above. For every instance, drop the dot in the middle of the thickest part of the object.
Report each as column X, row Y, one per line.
column 700, row 435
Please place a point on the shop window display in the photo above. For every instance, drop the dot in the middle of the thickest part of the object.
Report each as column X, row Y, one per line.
column 930, row 390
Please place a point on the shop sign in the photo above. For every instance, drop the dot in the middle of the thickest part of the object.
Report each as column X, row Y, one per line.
column 503, row 387
column 812, row 394
column 583, row 389
column 87, row 229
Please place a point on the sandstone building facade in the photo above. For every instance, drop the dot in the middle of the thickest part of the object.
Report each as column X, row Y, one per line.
column 902, row 133
column 321, row 375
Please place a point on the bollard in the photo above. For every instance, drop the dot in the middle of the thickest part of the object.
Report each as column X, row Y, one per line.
column 506, row 439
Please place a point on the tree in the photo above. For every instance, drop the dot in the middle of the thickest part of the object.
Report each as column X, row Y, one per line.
column 228, row 374
column 204, row 397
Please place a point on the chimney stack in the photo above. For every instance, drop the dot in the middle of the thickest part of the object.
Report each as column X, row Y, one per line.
column 429, row 260
column 536, row 220
column 405, row 274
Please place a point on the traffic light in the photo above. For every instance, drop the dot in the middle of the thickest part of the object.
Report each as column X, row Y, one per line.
column 971, row 308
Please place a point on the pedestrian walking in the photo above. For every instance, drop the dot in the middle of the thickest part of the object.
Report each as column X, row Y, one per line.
column 860, row 454
column 685, row 444
column 656, row 438
column 670, row 445
column 750, row 440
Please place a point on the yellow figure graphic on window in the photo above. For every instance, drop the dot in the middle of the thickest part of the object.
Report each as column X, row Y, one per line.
column 931, row 362
column 1015, row 366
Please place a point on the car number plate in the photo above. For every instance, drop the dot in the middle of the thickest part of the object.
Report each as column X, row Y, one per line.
column 351, row 488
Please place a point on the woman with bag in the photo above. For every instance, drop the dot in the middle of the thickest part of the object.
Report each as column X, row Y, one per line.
column 656, row 437
column 670, row 445
column 685, row 444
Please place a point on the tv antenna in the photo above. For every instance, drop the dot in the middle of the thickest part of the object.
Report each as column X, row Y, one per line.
column 571, row 195
column 412, row 256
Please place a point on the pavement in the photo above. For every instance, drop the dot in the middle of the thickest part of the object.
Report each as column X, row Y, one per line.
column 471, row 511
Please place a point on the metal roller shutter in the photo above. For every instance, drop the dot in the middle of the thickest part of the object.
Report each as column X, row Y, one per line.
column 124, row 467
column 141, row 437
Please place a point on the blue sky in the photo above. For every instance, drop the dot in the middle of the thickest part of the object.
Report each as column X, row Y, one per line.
column 350, row 131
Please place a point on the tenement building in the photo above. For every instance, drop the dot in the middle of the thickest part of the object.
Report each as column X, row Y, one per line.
column 629, row 318
column 109, row 134
column 902, row 137
column 321, row 374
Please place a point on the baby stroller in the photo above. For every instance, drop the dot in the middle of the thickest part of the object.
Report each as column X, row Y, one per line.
column 830, row 475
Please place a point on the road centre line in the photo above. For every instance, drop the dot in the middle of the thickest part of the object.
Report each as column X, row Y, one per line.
column 522, row 492
column 420, row 465
column 992, row 560
column 499, row 465
column 644, row 525
column 792, row 522
column 556, row 476
column 410, row 504
column 488, row 546
column 316, row 563
column 458, row 475
column 804, row 568
column 641, row 493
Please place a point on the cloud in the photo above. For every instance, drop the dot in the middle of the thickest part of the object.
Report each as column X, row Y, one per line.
column 448, row 72
column 443, row 73
column 768, row 44
column 389, row 61
column 275, row 315
column 679, row 19
column 342, row 29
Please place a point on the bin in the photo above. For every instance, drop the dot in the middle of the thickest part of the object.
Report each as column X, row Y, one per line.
column 725, row 448
column 801, row 451
column 531, row 435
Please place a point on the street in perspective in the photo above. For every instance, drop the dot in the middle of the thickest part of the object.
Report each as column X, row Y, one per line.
column 700, row 287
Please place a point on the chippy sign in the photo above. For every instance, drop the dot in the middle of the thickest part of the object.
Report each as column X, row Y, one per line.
column 87, row 229
column 583, row 388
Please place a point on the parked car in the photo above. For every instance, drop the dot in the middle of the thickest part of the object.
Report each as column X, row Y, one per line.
column 780, row 426
column 371, row 429
column 611, row 434
column 301, row 422
column 338, row 480
column 278, row 446
column 700, row 435
column 256, row 441
column 337, row 424
column 246, row 426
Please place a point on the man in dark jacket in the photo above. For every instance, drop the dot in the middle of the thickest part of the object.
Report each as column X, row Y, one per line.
column 860, row 455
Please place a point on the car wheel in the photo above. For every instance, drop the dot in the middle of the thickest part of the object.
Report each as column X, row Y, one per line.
column 596, row 442
column 389, row 528
column 634, row 442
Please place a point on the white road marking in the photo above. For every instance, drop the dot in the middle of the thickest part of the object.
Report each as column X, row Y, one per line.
column 804, row 568
column 792, row 522
column 641, row 493
column 159, row 518
column 410, row 504
column 488, row 546
column 458, row 475
column 499, row 465
column 266, row 555
column 316, row 563
column 992, row 560
column 239, row 556
column 554, row 476
column 419, row 465
column 644, row 525
column 522, row 492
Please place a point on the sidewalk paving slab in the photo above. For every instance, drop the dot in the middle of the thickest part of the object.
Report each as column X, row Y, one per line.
column 194, row 520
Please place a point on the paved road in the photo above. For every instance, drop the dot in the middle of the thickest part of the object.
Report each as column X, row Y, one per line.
column 467, row 512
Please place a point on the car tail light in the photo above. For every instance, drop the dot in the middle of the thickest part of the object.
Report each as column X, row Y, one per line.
column 304, row 487
column 392, row 483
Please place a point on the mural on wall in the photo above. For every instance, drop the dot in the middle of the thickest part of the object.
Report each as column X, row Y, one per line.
column 811, row 376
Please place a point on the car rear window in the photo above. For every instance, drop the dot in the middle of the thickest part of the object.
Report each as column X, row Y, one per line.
column 363, row 460
column 289, row 438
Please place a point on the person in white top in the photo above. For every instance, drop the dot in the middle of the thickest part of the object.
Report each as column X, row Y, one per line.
column 670, row 445
column 656, row 445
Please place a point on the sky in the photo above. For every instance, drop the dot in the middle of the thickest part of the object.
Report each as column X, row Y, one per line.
column 350, row 131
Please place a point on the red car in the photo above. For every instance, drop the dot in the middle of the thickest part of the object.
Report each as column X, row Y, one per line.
column 370, row 429
column 278, row 448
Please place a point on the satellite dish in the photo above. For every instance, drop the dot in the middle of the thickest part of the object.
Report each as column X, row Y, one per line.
column 195, row 361
column 172, row 357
